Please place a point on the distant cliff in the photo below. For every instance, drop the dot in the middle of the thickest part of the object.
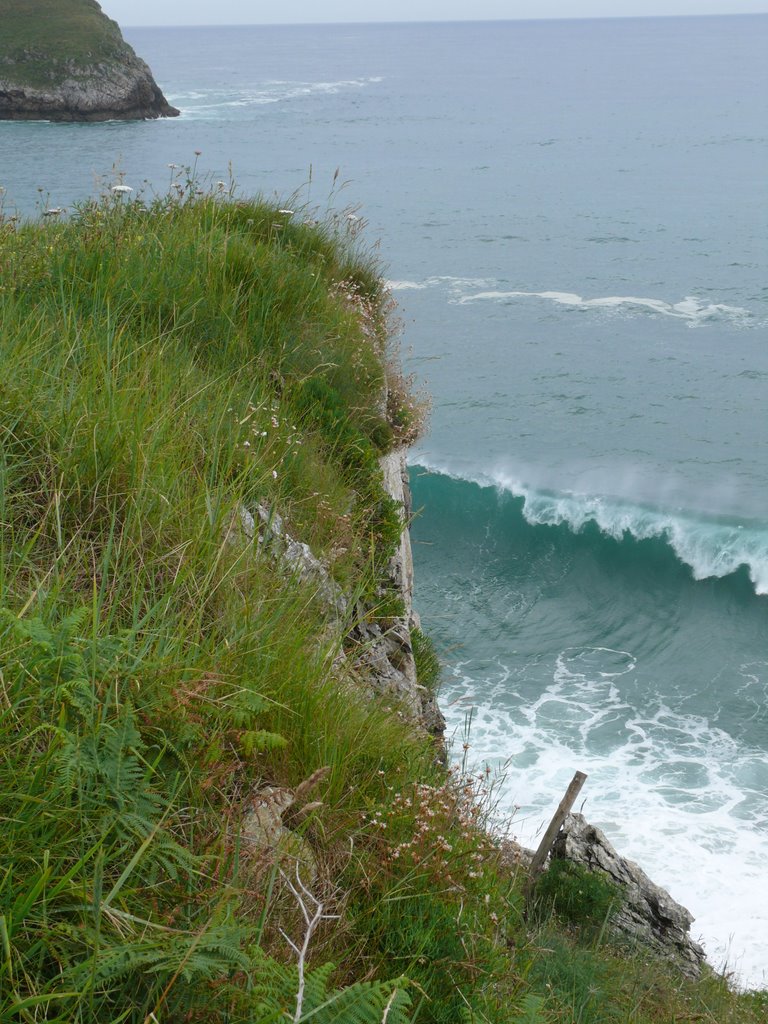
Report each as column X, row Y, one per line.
column 68, row 61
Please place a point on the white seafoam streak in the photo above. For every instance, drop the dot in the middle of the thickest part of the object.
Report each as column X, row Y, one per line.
column 693, row 310
column 197, row 103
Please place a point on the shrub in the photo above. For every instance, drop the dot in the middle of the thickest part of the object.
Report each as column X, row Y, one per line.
column 577, row 894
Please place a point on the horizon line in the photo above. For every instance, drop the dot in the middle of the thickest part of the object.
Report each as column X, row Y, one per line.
column 448, row 21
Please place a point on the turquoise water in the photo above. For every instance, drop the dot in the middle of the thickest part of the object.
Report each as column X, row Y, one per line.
column 573, row 219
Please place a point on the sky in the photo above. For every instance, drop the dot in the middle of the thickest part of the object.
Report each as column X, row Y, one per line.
column 253, row 12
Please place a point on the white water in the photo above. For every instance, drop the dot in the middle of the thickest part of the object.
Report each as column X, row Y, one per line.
column 691, row 788
column 696, row 311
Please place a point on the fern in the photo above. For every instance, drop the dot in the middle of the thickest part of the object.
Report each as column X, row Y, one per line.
column 531, row 1010
column 190, row 957
column 364, row 1002
column 256, row 741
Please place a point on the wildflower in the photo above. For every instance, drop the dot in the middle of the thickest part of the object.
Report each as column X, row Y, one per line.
column 274, row 474
column 122, row 190
column 288, row 213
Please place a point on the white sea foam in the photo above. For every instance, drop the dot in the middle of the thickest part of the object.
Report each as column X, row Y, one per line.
column 267, row 92
column 694, row 311
column 456, row 285
column 405, row 286
column 671, row 790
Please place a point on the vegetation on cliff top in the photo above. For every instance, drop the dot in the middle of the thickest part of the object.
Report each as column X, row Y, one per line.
column 165, row 366
column 40, row 38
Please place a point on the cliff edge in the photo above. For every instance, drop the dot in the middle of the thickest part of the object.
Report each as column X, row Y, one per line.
column 69, row 62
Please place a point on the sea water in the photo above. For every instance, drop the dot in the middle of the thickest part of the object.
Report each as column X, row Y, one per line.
column 573, row 219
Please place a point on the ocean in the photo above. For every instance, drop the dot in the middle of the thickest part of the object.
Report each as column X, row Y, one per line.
column 572, row 216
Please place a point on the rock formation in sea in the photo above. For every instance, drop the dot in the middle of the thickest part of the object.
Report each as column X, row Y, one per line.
column 69, row 62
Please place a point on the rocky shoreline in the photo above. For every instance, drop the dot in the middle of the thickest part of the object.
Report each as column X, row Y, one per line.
column 107, row 91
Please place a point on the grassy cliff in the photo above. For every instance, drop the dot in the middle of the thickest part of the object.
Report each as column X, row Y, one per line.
column 75, row 30
column 206, row 815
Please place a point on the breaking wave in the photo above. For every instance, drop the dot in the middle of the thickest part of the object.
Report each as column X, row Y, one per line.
column 711, row 546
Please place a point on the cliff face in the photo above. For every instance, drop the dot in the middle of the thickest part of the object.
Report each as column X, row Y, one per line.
column 71, row 64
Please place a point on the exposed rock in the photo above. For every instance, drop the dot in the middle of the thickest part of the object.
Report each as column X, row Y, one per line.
column 388, row 654
column 383, row 657
column 297, row 557
column 72, row 64
column 395, row 471
column 648, row 914
column 126, row 92
column 268, row 825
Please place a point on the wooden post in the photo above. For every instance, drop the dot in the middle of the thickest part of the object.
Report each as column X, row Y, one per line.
column 555, row 825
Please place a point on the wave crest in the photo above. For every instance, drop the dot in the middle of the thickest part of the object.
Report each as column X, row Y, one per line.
column 710, row 546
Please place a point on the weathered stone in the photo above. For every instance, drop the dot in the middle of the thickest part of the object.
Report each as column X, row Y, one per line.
column 263, row 832
column 397, row 647
column 648, row 915
column 124, row 92
column 296, row 557
column 382, row 658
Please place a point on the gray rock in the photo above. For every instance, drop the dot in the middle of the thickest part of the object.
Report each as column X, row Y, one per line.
column 89, row 75
column 296, row 557
column 104, row 92
column 263, row 833
column 392, row 652
column 648, row 915
column 382, row 657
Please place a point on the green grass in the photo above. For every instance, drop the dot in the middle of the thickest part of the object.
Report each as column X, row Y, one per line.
column 39, row 36
column 164, row 366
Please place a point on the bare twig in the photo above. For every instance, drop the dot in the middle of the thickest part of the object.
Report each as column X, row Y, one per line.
column 388, row 1007
column 312, row 910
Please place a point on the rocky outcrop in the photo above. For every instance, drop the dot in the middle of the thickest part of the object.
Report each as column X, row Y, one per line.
column 378, row 652
column 388, row 654
column 69, row 62
column 124, row 91
column 296, row 557
column 648, row 914
column 272, row 815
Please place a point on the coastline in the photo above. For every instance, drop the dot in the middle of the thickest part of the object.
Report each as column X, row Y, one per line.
column 212, row 664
